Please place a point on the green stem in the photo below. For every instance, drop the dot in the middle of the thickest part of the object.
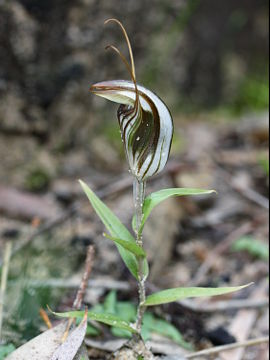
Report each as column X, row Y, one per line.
column 139, row 195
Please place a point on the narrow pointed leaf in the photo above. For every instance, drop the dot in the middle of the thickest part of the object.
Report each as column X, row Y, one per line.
column 171, row 295
column 129, row 246
column 155, row 198
column 160, row 326
column 107, row 319
column 110, row 302
column 112, row 223
column 115, row 228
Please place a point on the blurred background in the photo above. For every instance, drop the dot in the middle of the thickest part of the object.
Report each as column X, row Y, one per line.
column 208, row 60
column 198, row 55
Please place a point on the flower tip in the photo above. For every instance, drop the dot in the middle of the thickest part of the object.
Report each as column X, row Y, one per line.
column 110, row 20
column 96, row 88
column 92, row 88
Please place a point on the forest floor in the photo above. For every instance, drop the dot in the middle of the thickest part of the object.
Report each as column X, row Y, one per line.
column 213, row 240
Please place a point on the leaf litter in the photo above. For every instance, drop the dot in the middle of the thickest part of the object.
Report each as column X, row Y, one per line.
column 69, row 349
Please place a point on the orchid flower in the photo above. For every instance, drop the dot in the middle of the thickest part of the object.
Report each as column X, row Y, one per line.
column 145, row 122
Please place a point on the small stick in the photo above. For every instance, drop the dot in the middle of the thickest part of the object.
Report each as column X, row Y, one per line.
column 87, row 271
column 4, row 277
column 218, row 349
column 81, row 292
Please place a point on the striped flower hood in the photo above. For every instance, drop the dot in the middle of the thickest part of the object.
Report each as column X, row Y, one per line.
column 145, row 122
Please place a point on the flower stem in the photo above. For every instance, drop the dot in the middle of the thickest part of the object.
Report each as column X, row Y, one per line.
column 139, row 195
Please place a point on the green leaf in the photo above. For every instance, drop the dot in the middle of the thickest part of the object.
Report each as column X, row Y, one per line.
column 121, row 333
column 110, row 302
column 157, row 197
column 115, row 228
column 252, row 246
column 171, row 295
column 159, row 326
column 125, row 311
column 91, row 329
column 107, row 319
column 5, row 350
column 131, row 247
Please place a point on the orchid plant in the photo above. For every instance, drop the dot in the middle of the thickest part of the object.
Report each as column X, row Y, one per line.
column 146, row 128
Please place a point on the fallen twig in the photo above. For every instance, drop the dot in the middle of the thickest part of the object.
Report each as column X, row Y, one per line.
column 87, row 272
column 218, row 349
column 4, row 277
column 81, row 292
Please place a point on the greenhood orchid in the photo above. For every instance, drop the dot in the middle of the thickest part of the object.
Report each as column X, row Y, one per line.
column 145, row 122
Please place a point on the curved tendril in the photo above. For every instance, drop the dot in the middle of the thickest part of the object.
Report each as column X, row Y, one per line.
column 114, row 48
column 128, row 43
column 131, row 69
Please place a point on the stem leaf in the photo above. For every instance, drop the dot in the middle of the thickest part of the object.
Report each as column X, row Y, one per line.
column 129, row 246
column 115, row 227
column 107, row 319
column 155, row 198
column 171, row 295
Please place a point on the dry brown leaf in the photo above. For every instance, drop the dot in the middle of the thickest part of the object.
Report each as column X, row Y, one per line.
column 69, row 349
column 46, row 345
column 41, row 347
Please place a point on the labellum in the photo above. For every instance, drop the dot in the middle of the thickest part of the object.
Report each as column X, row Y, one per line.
column 145, row 121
